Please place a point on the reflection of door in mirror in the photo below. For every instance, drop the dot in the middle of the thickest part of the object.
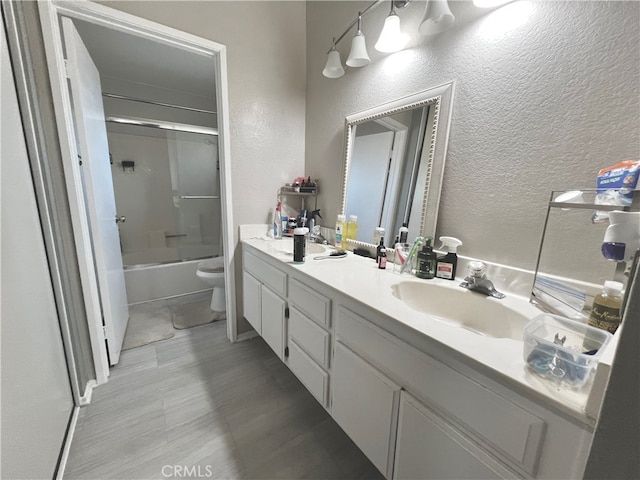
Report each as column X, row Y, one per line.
column 384, row 171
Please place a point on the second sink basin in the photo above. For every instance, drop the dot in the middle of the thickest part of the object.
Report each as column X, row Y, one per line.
column 285, row 245
column 469, row 310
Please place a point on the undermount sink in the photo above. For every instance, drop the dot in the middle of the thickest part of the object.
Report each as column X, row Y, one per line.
column 465, row 309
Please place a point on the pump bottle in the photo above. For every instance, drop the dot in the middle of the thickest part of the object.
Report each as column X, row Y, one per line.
column 426, row 267
column 446, row 264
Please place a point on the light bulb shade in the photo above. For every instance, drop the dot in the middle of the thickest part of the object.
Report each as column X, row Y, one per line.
column 437, row 18
column 391, row 39
column 358, row 56
column 333, row 68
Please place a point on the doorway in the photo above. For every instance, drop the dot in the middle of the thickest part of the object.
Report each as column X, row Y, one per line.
column 168, row 57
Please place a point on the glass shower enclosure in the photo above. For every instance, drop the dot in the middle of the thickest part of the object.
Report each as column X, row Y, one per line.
column 167, row 185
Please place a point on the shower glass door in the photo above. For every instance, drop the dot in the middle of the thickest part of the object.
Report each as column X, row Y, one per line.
column 167, row 185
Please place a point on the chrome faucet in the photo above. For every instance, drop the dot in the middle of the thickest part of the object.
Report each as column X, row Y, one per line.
column 315, row 236
column 477, row 280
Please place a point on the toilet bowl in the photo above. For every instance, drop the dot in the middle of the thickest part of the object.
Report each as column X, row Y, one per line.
column 212, row 273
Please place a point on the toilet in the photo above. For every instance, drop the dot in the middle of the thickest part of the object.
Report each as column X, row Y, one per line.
column 211, row 272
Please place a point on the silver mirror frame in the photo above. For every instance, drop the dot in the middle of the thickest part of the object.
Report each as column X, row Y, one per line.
column 440, row 98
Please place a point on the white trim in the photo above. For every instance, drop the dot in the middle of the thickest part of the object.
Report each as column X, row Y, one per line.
column 85, row 399
column 123, row 22
column 66, row 446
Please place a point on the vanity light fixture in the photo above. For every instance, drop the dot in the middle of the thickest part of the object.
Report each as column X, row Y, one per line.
column 437, row 17
column 358, row 56
column 390, row 39
column 333, row 68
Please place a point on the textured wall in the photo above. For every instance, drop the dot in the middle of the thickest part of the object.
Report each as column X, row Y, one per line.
column 543, row 100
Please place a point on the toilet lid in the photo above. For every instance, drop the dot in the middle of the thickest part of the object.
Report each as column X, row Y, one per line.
column 213, row 265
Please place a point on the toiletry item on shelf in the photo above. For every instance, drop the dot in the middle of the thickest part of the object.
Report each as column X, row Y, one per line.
column 426, row 267
column 299, row 244
column 615, row 186
column 379, row 248
column 352, row 228
column 378, row 233
column 293, row 224
column 340, row 231
column 403, row 233
column 605, row 313
column 622, row 237
column 284, row 220
column 382, row 258
column 446, row 264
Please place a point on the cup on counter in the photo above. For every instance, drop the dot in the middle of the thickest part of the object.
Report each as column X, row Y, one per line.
column 401, row 253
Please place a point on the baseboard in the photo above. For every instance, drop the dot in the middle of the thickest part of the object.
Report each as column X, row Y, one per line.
column 247, row 336
column 66, row 447
column 88, row 392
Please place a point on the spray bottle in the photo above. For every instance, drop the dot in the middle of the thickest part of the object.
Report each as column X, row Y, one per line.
column 446, row 264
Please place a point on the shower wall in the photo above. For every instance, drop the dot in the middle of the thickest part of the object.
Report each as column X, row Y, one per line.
column 159, row 179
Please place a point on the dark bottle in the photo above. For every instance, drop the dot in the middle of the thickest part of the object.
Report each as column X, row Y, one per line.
column 299, row 244
column 382, row 257
column 426, row 266
column 379, row 248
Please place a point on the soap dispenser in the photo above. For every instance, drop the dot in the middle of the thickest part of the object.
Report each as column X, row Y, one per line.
column 426, row 267
column 446, row 264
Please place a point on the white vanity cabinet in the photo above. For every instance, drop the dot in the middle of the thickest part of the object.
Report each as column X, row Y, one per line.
column 415, row 407
column 264, row 287
column 309, row 339
column 365, row 404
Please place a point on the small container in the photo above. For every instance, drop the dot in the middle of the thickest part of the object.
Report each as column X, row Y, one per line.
column 299, row 244
column 446, row 265
column 352, row 229
column 382, row 258
column 403, row 233
column 605, row 312
column 563, row 350
column 380, row 247
column 340, row 243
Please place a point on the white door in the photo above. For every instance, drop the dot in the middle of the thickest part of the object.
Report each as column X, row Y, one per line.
column 86, row 94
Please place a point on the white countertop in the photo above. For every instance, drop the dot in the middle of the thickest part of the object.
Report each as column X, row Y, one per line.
column 359, row 278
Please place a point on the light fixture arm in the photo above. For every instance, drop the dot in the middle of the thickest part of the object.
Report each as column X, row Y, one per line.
column 356, row 21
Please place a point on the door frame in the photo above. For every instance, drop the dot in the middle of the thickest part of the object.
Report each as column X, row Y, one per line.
column 124, row 22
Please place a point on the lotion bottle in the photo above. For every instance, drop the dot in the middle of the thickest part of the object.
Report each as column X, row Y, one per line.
column 352, row 228
column 426, row 266
column 446, row 264
column 340, row 232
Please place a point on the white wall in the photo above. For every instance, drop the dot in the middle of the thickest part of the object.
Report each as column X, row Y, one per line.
column 36, row 395
column 541, row 103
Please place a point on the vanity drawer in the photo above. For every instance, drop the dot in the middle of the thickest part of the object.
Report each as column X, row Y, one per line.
column 308, row 335
column 500, row 425
column 315, row 306
column 270, row 276
column 308, row 372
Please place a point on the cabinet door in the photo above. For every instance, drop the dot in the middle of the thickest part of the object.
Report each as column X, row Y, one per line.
column 251, row 301
column 273, row 326
column 365, row 405
column 428, row 448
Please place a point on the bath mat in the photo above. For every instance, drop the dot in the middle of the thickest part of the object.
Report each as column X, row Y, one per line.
column 187, row 315
column 147, row 324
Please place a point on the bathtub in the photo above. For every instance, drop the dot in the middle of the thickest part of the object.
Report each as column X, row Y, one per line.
column 147, row 278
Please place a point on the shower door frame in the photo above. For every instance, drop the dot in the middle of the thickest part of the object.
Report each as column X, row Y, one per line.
column 113, row 19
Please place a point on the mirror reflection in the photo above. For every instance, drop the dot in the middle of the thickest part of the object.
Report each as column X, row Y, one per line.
column 394, row 161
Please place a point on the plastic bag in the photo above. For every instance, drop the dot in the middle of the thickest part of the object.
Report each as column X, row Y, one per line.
column 615, row 186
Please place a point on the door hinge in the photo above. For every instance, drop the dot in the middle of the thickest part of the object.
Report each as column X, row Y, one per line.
column 286, row 312
column 104, row 332
column 66, row 68
column 286, row 352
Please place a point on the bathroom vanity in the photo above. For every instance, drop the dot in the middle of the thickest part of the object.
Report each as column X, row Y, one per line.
column 421, row 397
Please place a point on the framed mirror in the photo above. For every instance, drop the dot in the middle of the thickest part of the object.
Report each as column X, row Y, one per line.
column 394, row 164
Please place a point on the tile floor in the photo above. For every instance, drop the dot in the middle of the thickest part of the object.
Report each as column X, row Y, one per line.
column 197, row 406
